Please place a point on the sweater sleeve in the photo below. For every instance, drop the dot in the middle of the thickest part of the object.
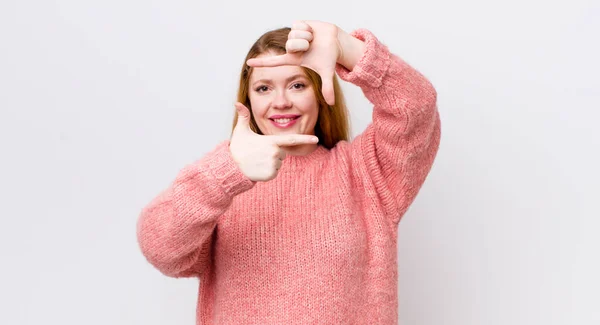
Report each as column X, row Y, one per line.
column 175, row 230
column 398, row 147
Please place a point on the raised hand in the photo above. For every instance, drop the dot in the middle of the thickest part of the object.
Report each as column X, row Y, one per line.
column 312, row 44
column 260, row 156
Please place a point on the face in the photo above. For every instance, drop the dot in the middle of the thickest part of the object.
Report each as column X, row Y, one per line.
column 283, row 100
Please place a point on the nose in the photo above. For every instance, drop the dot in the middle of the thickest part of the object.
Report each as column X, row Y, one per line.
column 281, row 101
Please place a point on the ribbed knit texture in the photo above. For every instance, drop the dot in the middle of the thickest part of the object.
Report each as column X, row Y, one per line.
column 317, row 244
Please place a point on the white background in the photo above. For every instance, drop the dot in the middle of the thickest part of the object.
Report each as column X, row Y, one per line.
column 103, row 102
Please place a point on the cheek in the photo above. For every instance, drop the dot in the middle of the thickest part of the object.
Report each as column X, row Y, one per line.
column 259, row 107
column 307, row 103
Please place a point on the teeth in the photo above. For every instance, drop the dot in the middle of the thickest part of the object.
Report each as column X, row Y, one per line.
column 283, row 120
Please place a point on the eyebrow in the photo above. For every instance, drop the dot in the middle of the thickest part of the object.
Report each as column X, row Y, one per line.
column 286, row 80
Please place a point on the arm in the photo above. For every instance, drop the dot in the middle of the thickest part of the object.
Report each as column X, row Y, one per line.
column 175, row 230
column 398, row 148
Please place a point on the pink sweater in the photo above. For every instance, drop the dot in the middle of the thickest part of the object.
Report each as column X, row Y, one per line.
column 317, row 244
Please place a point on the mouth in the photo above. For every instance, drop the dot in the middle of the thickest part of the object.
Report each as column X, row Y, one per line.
column 284, row 122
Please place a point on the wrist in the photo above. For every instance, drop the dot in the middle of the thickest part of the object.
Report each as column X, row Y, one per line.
column 351, row 49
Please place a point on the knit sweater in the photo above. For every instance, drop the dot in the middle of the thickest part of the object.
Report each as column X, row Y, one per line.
column 317, row 244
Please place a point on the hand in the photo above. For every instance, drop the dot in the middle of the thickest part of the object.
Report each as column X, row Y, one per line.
column 260, row 156
column 312, row 44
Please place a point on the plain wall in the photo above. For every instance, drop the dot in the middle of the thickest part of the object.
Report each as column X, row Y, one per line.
column 103, row 102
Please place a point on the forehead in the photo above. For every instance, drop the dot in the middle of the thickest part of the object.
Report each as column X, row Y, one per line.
column 276, row 74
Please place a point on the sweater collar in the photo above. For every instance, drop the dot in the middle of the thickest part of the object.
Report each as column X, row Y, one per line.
column 299, row 162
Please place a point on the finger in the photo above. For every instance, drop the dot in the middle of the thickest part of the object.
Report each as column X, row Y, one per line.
column 296, row 45
column 327, row 88
column 272, row 61
column 302, row 34
column 243, row 115
column 293, row 139
column 301, row 25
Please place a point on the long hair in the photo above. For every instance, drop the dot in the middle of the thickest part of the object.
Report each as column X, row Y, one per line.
column 333, row 121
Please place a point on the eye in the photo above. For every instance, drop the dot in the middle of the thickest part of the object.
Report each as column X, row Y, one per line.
column 261, row 89
column 298, row 85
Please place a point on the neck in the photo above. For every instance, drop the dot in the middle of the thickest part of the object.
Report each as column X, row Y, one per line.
column 300, row 150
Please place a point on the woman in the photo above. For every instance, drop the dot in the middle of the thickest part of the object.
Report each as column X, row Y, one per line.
column 281, row 229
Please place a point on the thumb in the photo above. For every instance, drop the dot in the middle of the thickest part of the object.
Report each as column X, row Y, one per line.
column 243, row 120
column 327, row 88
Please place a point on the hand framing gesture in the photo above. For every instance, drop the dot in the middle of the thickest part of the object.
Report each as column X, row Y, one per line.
column 311, row 44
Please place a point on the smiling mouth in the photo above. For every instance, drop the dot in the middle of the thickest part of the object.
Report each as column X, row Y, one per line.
column 284, row 120
column 284, row 123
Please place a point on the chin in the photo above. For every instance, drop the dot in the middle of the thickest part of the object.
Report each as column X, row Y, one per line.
column 290, row 131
